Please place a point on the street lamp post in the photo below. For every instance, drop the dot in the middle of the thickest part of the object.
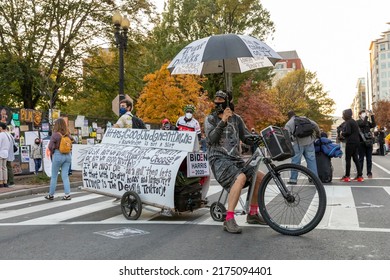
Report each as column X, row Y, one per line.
column 121, row 27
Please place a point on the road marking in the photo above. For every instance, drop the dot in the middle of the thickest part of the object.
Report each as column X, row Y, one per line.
column 344, row 215
column 48, row 205
column 381, row 167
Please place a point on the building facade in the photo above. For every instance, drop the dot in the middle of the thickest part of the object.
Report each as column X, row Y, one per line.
column 290, row 62
column 380, row 68
column 360, row 100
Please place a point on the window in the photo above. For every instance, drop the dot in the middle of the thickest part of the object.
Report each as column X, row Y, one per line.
column 383, row 56
column 382, row 47
column 383, row 65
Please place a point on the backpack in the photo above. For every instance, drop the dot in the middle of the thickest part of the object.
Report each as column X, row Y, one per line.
column 65, row 144
column 303, row 127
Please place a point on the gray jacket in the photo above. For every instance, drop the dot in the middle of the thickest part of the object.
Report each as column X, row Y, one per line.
column 290, row 126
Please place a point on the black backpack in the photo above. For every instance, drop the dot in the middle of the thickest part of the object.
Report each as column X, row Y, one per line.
column 303, row 127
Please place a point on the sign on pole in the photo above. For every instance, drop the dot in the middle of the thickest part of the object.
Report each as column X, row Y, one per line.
column 115, row 103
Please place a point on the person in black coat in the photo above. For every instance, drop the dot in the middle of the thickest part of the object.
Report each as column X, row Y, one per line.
column 350, row 132
column 380, row 134
column 365, row 122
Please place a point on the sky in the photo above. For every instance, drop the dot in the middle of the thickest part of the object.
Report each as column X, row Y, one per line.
column 332, row 38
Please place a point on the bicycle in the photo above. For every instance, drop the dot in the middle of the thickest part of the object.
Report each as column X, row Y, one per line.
column 289, row 208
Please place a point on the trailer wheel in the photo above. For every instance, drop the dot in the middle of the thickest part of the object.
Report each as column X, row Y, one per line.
column 131, row 205
column 218, row 211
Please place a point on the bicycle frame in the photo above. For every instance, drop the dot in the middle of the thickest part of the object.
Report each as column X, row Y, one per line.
column 255, row 160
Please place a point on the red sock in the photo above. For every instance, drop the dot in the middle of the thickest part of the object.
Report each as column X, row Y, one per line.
column 229, row 215
column 253, row 210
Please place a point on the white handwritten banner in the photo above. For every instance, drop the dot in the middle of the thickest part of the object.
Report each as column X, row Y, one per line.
column 160, row 139
column 151, row 173
column 197, row 165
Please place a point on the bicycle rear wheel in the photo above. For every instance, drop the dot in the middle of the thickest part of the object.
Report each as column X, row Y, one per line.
column 304, row 207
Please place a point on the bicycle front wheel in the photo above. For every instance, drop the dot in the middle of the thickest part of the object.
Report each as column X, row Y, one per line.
column 303, row 208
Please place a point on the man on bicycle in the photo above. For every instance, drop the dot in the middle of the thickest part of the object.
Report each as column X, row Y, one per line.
column 224, row 130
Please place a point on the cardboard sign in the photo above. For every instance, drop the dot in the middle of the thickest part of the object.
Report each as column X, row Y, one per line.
column 159, row 139
column 144, row 161
column 115, row 169
column 197, row 165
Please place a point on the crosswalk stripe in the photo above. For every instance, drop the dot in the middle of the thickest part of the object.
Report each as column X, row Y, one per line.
column 340, row 209
column 5, row 214
column 21, row 202
column 66, row 215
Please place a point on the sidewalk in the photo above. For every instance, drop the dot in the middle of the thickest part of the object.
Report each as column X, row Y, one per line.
column 22, row 188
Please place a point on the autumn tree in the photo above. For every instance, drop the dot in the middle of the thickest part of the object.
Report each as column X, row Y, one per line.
column 256, row 105
column 302, row 92
column 382, row 113
column 43, row 42
column 184, row 21
column 165, row 95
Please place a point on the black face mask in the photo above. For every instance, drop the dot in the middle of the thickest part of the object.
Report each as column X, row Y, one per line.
column 220, row 106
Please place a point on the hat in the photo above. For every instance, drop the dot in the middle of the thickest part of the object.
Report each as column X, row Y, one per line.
column 189, row 108
column 221, row 94
column 164, row 121
column 290, row 114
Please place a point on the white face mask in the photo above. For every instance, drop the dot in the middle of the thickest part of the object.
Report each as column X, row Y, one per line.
column 188, row 116
column 363, row 115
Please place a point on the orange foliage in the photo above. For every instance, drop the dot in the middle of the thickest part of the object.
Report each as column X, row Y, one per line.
column 382, row 113
column 257, row 106
column 165, row 96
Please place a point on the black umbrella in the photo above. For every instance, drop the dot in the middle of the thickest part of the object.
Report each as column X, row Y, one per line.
column 225, row 53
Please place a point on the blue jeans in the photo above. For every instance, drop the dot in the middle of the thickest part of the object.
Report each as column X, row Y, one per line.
column 60, row 161
column 309, row 153
column 38, row 163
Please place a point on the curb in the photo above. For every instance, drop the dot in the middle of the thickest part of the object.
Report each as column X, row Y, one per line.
column 37, row 190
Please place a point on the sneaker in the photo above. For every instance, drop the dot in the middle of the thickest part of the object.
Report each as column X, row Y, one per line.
column 360, row 179
column 345, row 179
column 369, row 175
column 255, row 219
column 231, row 226
column 49, row 197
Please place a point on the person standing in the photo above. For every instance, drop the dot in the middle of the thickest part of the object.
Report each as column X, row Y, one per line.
column 381, row 141
column 365, row 122
column 59, row 160
column 350, row 132
column 188, row 122
column 303, row 146
column 224, row 129
column 11, row 158
column 127, row 119
column 5, row 144
column 36, row 154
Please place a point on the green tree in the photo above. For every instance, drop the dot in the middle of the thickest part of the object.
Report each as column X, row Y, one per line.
column 43, row 42
column 302, row 92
